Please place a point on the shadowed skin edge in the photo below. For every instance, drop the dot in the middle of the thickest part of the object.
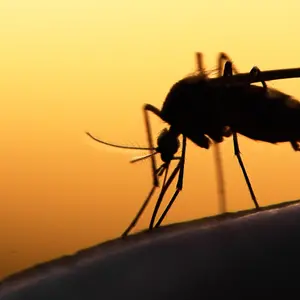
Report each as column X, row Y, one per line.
column 108, row 247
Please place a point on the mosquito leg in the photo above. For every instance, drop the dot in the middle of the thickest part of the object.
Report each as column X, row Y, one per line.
column 199, row 62
column 228, row 72
column 238, row 155
column 159, row 172
column 162, row 193
column 138, row 215
column 223, row 70
column 223, row 58
column 179, row 185
column 255, row 71
column 156, row 111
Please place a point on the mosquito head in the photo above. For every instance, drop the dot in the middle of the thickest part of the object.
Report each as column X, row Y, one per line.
column 167, row 144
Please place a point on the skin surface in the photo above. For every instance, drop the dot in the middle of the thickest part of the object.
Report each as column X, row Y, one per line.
column 225, row 256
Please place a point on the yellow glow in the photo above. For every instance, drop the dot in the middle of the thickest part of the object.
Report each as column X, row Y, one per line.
column 71, row 66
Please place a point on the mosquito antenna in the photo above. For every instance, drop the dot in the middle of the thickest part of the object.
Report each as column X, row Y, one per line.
column 139, row 158
column 118, row 146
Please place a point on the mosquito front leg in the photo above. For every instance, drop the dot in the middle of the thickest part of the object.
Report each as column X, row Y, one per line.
column 162, row 169
column 138, row 215
column 162, row 193
column 179, row 185
column 156, row 111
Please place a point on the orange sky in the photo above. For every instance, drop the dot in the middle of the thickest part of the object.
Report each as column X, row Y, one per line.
column 71, row 66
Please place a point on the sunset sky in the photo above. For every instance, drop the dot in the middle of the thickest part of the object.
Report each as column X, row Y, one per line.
column 73, row 66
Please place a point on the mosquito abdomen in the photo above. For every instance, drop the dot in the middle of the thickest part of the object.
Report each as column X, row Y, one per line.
column 270, row 116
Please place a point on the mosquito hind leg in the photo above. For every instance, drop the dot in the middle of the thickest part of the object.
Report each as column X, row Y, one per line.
column 199, row 62
column 179, row 185
column 228, row 68
column 222, row 59
column 255, row 71
column 156, row 111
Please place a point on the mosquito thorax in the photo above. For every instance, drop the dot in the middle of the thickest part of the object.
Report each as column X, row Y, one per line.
column 167, row 144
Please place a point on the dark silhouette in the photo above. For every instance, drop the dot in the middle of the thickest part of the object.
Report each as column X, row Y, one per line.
column 203, row 109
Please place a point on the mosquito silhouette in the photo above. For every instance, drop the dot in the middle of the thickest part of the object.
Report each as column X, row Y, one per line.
column 205, row 111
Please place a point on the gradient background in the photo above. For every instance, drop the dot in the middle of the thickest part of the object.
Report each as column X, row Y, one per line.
column 71, row 66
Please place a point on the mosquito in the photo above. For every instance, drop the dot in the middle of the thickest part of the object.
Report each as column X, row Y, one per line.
column 205, row 110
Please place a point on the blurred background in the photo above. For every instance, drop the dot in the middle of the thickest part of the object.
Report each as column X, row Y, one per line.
column 73, row 66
